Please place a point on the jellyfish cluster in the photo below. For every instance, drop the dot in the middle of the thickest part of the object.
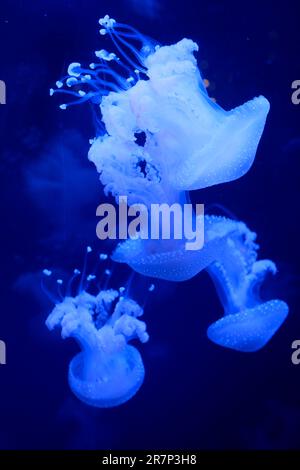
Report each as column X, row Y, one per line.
column 160, row 136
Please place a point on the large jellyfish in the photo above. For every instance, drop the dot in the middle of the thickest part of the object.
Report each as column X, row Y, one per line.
column 188, row 141
column 108, row 371
column 194, row 142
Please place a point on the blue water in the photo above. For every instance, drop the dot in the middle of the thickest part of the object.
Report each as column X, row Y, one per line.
column 195, row 394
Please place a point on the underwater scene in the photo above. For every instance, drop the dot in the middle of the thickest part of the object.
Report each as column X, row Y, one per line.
column 150, row 176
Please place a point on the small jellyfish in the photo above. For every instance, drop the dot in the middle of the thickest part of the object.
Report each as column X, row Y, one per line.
column 249, row 322
column 108, row 371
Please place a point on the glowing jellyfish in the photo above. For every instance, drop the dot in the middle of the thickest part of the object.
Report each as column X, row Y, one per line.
column 229, row 256
column 189, row 142
column 108, row 371
column 170, row 260
column 249, row 322
column 193, row 140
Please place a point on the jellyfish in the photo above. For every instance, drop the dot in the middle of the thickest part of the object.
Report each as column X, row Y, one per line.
column 229, row 255
column 157, row 92
column 194, row 142
column 169, row 259
column 248, row 322
column 108, row 371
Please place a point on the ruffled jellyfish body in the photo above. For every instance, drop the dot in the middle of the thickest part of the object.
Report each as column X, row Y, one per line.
column 248, row 322
column 126, row 169
column 108, row 371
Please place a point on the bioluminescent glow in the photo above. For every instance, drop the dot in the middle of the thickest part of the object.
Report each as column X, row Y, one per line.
column 189, row 142
column 248, row 322
column 159, row 136
column 108, row 371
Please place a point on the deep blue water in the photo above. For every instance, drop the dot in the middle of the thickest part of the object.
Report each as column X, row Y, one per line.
column 195, row 395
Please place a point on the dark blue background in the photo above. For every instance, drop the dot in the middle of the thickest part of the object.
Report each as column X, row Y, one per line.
column 195, row 395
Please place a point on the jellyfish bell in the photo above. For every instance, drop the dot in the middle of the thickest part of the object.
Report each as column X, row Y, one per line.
column 205, row 145
column 114, row 383
column 169, row 259
column 250, row 329
column 196, row 143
